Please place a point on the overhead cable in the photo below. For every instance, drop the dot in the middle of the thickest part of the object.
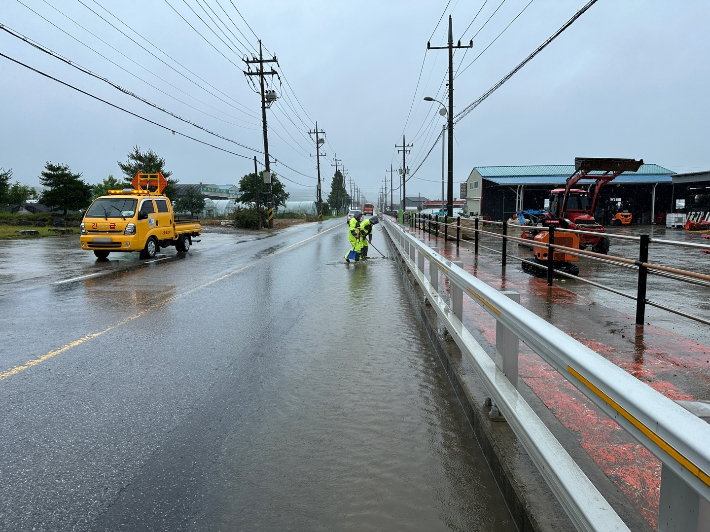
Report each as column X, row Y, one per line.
column 118, row 87
column 510, row 74
column 175, row 132
column 168, row 56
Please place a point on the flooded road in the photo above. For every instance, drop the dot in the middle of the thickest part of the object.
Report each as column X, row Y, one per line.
column 252, row 384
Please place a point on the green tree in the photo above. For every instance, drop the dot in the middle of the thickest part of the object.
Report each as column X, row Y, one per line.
column 65, row 190
column 110, row 183
column 249, row 187
column 148, row 162
column 5, row 176
column 337, row 199
column 19, row 193
column 192, row 202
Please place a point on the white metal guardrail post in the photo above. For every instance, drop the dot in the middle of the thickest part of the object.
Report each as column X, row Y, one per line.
column 434, row 274
column 420, row 261
column 457, row 296
column 508, row 346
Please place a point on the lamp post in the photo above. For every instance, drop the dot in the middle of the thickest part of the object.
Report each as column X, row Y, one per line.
column 442, row 112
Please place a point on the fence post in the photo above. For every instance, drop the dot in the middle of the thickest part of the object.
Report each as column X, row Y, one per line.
column 475, row 238
column 456, row 295
column 550, row 255
column 458, row 231
column 505, row 240
column 446, row 227
column 437, row 226
column 643, row 275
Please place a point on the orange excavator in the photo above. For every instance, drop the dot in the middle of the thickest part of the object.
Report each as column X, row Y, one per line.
column 573, row 208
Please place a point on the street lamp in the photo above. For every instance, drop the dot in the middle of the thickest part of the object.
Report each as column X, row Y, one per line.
column 442, row 112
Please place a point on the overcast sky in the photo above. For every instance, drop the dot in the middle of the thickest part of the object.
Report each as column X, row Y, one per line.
column 628, row 79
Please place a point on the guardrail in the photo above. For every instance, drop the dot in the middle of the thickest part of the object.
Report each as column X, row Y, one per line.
column 676, row 437
column 644, row 268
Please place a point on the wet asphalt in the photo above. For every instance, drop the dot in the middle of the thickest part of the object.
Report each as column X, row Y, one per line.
column 254, row 383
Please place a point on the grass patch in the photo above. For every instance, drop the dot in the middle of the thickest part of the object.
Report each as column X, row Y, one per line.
column 12, row 232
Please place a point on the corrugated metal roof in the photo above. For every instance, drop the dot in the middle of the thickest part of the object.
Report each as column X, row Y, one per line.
column 557, row 170
column 560, row 180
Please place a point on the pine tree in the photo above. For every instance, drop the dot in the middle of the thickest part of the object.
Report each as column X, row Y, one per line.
column 65, row 190
column 337, row 199
column 148, row 162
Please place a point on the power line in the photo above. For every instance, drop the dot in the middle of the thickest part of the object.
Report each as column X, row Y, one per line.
column 198, row 33
column 494, row 40
column 490, row 91
column 166, row 55
column 118, row 87
column 133, row 61
column 510, row 74
column 121, row 108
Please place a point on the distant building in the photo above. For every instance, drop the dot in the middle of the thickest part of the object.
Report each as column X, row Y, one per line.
column 211, row 191
column 499, row 191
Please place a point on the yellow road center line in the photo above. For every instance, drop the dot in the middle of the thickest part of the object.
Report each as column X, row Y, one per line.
column 655, row 438
column 75, row 343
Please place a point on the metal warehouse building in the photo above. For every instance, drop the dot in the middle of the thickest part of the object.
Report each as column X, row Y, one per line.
column 499, row 191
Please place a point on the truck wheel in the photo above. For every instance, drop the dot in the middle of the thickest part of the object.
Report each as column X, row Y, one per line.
column 183, row 243
column 150, row 249
column 101, row 254
column 602, row 246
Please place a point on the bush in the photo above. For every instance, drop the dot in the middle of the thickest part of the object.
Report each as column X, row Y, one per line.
column 249, row 218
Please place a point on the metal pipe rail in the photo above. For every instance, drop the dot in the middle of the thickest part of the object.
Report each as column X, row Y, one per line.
column 641, row 265
column 671, row 433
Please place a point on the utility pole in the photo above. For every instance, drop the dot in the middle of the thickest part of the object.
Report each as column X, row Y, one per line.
column 391, row 171
column 451, row 48
column 258, row 192
column 337, row 162
column 319, row 141
column 267, row 98
column 404, row 170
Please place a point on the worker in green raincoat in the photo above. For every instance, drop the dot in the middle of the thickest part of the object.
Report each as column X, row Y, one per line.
column 366, row 228
column 354, row 237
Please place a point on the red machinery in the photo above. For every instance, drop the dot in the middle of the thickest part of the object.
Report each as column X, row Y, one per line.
column 573, row 208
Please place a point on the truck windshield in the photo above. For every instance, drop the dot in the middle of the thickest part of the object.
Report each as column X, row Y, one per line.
column 112, row 208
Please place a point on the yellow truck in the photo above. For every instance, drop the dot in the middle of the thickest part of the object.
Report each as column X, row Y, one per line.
column 138, row 219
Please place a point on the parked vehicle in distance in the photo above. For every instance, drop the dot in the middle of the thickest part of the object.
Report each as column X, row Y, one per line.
column 368, row 208
column 138, row 219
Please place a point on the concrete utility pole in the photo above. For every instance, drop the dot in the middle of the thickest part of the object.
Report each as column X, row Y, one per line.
column 391, row 171
column 404, row 170
column 319, row 141
column 258, row 193
column 451, row 48
column 267, row 98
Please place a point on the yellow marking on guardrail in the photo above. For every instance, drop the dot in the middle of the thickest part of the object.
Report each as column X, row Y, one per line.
column 486, row 303
column 655, row 438
column 75, row 343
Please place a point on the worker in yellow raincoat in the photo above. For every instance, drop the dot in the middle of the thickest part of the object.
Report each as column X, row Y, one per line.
column 366, row 228
column 354, row 237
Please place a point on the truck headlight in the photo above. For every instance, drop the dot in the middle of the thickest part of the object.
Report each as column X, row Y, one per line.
column 83, row 229
column 130, row 229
